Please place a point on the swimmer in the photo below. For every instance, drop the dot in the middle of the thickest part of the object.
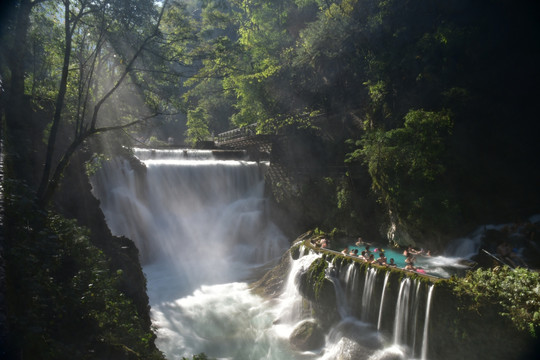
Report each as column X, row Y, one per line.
column 364, row 255
column 410, row 267
column 382, row 259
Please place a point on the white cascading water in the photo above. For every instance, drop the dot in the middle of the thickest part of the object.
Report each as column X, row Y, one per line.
column 381, row 305
column 402, row 312
column 426, row 325
column 413, row 321
column 290, row 307
column 351, row 279
column 202, row 230
column 369, row 283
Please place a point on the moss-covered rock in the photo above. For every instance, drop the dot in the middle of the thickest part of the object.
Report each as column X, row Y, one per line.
column 320, row 292
column 308, row 335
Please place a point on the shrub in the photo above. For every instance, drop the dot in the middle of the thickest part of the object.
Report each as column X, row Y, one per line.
column 517, row 291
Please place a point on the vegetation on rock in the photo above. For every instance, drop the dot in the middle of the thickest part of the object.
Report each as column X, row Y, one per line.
column 63, row 295
column 517, row 291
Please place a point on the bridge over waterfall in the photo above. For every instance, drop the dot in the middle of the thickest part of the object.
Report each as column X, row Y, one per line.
column 246, row 138
column 259, row 147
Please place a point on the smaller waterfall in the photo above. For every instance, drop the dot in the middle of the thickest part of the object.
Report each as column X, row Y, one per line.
column 357, row 338
column 351, row 280
column 426, row 325
column 369, row 283
column 341, row 297
column 402, row 312
column 382, row 300
column 290, row 309
column 415, row 302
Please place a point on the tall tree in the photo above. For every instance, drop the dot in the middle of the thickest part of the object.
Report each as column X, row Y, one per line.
column 118, row 65
column 73, row 15
column 15, row 60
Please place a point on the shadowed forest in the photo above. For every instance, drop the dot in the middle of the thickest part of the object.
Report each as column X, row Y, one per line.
column 417, row 113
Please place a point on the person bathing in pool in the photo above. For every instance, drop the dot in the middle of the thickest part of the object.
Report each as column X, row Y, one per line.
column 382, row 259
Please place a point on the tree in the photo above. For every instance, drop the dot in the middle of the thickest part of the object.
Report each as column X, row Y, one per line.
column 197, row 126
column 407, row 169
column 15, row 57
column 108, row 48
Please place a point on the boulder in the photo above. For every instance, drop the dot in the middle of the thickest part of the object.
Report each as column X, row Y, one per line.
column 307, row 336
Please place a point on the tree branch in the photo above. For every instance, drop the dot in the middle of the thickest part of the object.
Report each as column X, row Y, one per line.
column 127, row 70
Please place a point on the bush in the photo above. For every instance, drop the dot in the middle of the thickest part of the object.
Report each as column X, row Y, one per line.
column 517, row 291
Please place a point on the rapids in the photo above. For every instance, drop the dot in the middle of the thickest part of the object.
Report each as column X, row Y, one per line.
column 203, row 231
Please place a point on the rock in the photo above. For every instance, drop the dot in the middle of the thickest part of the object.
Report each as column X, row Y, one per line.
column 272, row 283
column 315, row 287
column 307, row 336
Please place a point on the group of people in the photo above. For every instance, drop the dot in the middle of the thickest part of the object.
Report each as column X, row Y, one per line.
column 410, row 259
column 369, row 257
column 322, row 243
column 411, row 250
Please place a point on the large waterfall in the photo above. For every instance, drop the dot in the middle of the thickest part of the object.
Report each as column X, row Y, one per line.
column 203, row 231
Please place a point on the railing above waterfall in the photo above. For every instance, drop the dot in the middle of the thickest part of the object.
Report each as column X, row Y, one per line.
column 246, row 138
column 236, row 134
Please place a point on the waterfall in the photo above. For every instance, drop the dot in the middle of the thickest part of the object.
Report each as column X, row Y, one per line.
column 178, row 213
column 369, row 283
column 202, row 228
column 426, row 325
column 382, row 300
column 342, row 304
column 290, row 308
column 402, row 312
column 415, row 307
column 351, row 279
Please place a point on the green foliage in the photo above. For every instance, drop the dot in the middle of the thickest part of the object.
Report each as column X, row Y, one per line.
column 63, row 296
column 316, row 275
column 407, row 168
column 155, row 142
column 95, row 163
column 517, row 291
column 197, row 126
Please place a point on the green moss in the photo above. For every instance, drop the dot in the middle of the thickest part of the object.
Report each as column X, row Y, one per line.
column 295, row 251
column 317, row 275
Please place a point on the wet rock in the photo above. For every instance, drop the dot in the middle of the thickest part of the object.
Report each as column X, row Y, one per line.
column 272, row 283
column 315, row 287
column 307, row 336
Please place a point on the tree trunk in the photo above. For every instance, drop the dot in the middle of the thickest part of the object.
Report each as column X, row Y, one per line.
column 16, row 64
column 58, row 108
